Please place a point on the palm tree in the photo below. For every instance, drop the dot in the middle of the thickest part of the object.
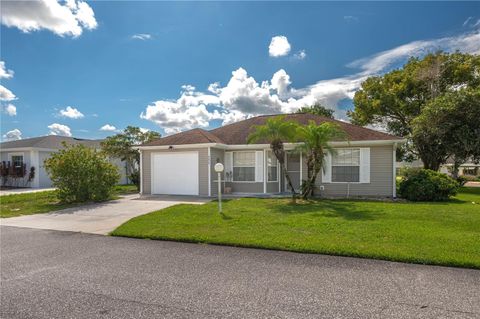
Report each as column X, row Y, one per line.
column 276, row 131
column 315, row 140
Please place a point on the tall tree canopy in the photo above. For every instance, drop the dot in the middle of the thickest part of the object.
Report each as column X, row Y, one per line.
column 395, row 99
column 122, row 146
column 449, row 127
column 317, row 109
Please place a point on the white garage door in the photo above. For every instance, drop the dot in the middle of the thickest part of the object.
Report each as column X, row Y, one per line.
column 175, row 173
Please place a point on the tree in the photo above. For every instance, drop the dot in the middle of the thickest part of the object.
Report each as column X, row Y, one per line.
column 276, row 131
column 315, row 140
column 317, row 109
column 81, row 174
column 122, row 146
column 450, row 126
column 395, row 99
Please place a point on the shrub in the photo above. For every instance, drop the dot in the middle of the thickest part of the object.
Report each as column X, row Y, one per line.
column 135, row 178
column 81, row 174
column 461, row 180
column 427, row 185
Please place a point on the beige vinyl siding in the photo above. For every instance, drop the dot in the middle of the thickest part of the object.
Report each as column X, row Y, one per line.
column 272, row 187
column 202, row 169
column 246, row 187
column 381, row 177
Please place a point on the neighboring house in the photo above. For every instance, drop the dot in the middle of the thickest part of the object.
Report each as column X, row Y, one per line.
column 183, row 163
column 469, row 168
column 34, row 151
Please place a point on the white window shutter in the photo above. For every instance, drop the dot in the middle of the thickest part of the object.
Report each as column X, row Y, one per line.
column 327, row 169
column 365, row 165
column 228, row 166
column 258, row 166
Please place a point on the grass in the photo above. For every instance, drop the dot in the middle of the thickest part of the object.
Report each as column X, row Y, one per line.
column 43, row 202
column 445, row 233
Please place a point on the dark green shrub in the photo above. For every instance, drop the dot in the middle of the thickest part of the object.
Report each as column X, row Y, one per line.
column 81, row 174
column 427, row 185
column 461, row 180
column 135, row 178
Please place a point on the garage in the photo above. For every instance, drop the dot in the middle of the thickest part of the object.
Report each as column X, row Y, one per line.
column 175, row 173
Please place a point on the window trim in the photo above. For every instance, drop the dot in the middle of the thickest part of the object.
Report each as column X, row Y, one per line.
column 22, row 154
column 268, row 166
column 254, row 166
column 359, row 165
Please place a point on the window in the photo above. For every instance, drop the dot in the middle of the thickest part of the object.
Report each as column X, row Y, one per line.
column 17, row 160
column 243, row 166
column 271, row 167
column 346, row 165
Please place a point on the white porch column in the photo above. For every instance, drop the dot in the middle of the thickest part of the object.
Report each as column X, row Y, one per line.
column 265, row 171
column 210, row 172
column 301, row 168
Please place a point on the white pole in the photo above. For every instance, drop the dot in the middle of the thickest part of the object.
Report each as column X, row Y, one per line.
column 219, row 192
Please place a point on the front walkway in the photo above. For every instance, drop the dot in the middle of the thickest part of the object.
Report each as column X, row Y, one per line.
column 99, row 218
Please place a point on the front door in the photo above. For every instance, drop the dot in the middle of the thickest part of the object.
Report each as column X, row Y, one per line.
column 292, row 162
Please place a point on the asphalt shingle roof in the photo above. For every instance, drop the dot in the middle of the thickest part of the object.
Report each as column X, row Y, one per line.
column 237, row 133
column 49, row 141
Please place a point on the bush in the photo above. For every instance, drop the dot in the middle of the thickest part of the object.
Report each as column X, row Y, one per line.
column 81, row 174
column 135, row 178
column 427, row 185
column 461, row 180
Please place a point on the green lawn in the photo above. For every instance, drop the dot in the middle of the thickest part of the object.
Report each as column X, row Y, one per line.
column 43, row 202
column 446, row 233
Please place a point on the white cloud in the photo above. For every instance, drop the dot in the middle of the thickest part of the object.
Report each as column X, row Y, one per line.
column 6, row 94
column 108, row 128
column 280, row 82
column 4, row 72
column 467, row 21
column 13, row 135
column 350, row 18
column 71, row 113
column 63, row 19
column 469, row 43
column 300, row 55
column 142, row 36
column 279, row 46
column 10, row 109
column 59, row 129
column 244, row 97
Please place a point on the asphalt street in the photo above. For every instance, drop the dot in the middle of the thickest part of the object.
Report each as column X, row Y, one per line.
column 55, row 274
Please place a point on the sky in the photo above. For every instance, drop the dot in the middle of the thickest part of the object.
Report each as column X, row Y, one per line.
column 89, row 69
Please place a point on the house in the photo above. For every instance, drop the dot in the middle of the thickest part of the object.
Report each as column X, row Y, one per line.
column 34, row 151
column 183, row 163
column 469, row 168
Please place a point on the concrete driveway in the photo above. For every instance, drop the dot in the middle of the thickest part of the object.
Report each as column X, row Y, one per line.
column 98, row 218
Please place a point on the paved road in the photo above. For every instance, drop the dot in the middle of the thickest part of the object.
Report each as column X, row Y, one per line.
column 52, row 274
column 99, row 218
